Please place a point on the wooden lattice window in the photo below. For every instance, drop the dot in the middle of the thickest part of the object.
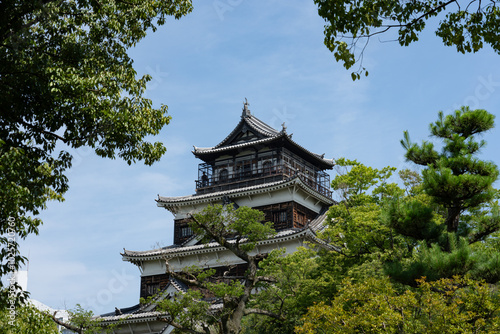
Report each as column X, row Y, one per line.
column 267, row 165
column 301, row 219
column 186, row 231
column 280, row 216
column 152, row 288
column 223, row 175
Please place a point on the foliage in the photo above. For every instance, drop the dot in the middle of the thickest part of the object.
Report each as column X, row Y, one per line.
column 461, row 189
column 354, row 179
column 388, row 237
column 442, row 224
column 466, row 25
column 196, row 311
column 220, row 222
column 299, row 281
column 189, row 310
column 454, row 305
column 26, row 319
column 455, row 178
column 66, row 79
column 355, row 223
column 83, row 321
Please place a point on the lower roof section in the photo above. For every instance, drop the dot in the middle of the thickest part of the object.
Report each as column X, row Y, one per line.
column 291, row 189
column 291, row 238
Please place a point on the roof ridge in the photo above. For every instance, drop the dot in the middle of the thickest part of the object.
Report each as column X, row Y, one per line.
column 261, row 126
column 249, row 143
column 254, row 123
column 320, row 157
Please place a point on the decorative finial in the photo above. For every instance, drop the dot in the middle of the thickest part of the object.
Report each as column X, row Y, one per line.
column 246, row 111
column 283, row 127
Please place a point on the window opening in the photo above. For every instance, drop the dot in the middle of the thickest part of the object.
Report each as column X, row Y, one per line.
column 223, row 175
column 267, row 167
column 280, row 216
column 186, row 231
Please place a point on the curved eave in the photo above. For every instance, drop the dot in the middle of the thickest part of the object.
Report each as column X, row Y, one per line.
column 132, row 318
column 136, row 257
column 209, row 153
column 201, row 151
column 173, row 202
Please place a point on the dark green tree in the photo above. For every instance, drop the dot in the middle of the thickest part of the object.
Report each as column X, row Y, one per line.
column 350, row 24
column 455, row 178
column 460, row 187
column 66, row 80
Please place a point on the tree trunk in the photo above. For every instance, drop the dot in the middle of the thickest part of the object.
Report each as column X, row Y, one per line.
column 453, row 218
column 233, row 323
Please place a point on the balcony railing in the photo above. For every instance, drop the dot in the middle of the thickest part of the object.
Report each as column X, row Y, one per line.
column 224, row 179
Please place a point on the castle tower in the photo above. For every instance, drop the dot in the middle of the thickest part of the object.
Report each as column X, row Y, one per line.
column 255, row 166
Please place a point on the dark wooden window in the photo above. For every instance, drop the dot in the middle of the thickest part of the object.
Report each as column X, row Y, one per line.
column 280, row 216
column 247, row 168
column 152, row 289
column 223, row 175
column 301, row 219
column 186, row 231
column 151, row 285
column 267, row 167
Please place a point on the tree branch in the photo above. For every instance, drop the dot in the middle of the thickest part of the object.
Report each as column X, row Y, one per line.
column 178, row 326
column 265, row 279
column 433, row 10
column 79, row 330
column 39, row 130
column 184, row 279
column 263, row 312
column 223, row 241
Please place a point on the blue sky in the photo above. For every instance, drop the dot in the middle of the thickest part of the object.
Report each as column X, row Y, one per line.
column 203, row 67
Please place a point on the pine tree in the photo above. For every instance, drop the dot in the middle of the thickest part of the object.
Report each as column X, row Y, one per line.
column 455, row 178
column 461, row 240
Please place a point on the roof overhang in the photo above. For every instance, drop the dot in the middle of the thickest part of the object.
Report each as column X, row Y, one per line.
column 137, row 257
column 282, row 139
column 171, row 203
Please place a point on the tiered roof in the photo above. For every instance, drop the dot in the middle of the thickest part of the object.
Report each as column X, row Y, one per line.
column 308, row 232
column 263, row 134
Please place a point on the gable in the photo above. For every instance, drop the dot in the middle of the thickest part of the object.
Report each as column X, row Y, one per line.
column 247, row 130
column 244, row 136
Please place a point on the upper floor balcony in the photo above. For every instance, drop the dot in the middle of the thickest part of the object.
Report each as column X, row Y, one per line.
column 228, row 176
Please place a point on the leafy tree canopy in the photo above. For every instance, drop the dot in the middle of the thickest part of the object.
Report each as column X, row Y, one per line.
column 454, row 305
column 444, row 223
column 82, row 321
column 26, row 319
column 466, row 25
column 388, row 237
column 66, row 78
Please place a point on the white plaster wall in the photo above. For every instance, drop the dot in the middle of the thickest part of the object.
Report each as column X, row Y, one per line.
column 278, row 196
column 212, row 258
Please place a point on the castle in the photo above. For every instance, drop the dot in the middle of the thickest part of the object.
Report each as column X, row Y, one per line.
column 255, row 166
